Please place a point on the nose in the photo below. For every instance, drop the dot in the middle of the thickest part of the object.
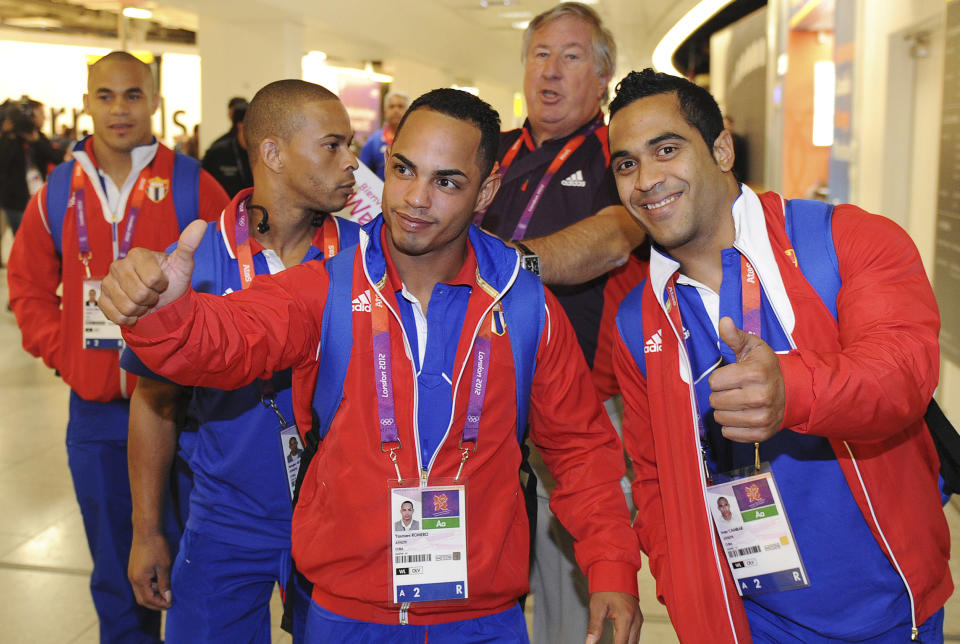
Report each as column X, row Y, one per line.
column 649, row 176
column 418, row 193
column 350, row 162
column 551, row 67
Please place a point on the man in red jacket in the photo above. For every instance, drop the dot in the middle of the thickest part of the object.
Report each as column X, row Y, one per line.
column 433, row 297
column 840, row 536
column 123, row 188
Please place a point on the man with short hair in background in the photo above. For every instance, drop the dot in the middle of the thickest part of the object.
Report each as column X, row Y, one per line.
column 373, row 152
column 123, row 188
column 226, row 158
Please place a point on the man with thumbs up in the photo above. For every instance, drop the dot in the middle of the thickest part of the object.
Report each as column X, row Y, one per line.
column 736, row 351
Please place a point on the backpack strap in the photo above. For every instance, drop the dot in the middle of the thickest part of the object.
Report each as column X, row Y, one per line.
column 185, row 185
column 348, row 232
column 809, row 227
column 631, row 326
column 525, row 311
column 524, row 307
column 336, row 342
column 57, row 198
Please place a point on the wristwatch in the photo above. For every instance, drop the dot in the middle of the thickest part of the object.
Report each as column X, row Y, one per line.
column 528, row 259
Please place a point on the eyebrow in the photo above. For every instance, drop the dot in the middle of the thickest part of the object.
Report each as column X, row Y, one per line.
column 666, row 136
column 453, row 172
column 101, row 90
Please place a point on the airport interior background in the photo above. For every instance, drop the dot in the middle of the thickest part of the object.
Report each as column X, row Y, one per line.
column 842, row 100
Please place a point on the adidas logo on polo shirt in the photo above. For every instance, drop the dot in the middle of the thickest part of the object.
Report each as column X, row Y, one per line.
column 362, row 302
column 575, row 180
column 654, row 344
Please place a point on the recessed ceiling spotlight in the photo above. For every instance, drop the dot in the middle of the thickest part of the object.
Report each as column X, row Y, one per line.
column 137, row 12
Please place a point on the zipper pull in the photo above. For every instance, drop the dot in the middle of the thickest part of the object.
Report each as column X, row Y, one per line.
column 393, row 457
column 423, row 478
column 914, row 633
column 403, row 613
column 463, row 460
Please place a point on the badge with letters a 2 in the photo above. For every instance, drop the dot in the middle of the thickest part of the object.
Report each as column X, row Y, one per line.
column 755, row 534
column 429, row 543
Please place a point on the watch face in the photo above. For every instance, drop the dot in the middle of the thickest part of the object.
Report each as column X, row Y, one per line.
column 531, row 263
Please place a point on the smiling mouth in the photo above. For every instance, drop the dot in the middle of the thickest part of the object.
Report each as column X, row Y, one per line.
column 660, row 204
column 550, row 95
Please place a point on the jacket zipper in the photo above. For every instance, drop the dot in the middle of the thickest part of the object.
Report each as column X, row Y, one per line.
column 425, row 471
column 703, row 482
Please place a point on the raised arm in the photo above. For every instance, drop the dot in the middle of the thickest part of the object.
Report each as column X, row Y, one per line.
column 888, row 359
column 200, row 339
column 589, row 248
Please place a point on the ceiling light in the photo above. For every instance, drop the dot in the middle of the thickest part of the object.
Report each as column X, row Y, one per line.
column 137, row 12
column 33, row 22
column 523, row 24
column 366, row 74
column 693, row 20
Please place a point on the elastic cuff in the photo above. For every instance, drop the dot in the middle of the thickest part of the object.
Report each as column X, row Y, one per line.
column 160, row 323
column 615, row 576
column 798, row 391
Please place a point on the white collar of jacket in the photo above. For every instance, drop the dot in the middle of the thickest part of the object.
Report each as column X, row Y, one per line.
column 140, row 157
column 751, row 240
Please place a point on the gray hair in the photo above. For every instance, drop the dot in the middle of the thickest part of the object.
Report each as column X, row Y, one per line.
column 405, row 97
column 604, row 47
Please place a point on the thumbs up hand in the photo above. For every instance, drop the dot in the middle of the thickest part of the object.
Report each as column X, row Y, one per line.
column 748, row 397
column 146, row 280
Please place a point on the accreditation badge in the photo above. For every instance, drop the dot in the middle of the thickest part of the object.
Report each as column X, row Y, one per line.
column 755, row 533
column 98, row 331
column 291, row 447
column 429, row 543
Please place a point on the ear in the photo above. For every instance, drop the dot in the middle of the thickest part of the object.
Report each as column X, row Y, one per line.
column 386, row 157
column 723, row 151
column 86, row 103
column 604, row 82
column 154, row 103
column 270, row 152
column 488, row 189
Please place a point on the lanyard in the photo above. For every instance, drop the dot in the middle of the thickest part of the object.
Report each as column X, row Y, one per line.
column 750, row 296
column 80, row 210
column 383, row 376
column 331, row 244
column 565, row 152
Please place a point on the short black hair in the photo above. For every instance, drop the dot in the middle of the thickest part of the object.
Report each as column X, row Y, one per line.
column 465, row 107
column 236, row 101
column 699, row 107
column 276, row 111
column 236, row 117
